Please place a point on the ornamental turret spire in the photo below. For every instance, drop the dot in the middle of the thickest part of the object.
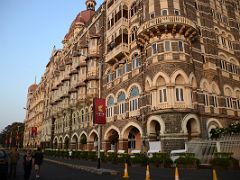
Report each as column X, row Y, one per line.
column 91, row 4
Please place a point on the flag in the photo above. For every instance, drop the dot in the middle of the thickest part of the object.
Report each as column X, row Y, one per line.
column 17, row 137
column 10, row 138
column 6, row 140
column 99, row 111
column 34, row 132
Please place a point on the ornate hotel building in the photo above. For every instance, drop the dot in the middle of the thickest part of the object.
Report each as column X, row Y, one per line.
column 169, row 71
column 34, row 115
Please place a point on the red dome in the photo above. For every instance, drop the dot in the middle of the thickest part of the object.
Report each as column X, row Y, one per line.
column 32, row 88
column 79, row 20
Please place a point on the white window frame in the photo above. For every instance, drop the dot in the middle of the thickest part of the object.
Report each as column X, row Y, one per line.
column 178, row 12
column 109, row 76
column 121, row 107
column 154, row 48
column 135, row 62
column 206, row 98
column 179, row 94
column 110, row 109
column 162, row 12
column 215, row 100
column 229, row 102
column 118, row 72
column 133, row 104
column 126, row 68
column 165, row 46
column 163, row 95
column 238, row 103
column 180, row 48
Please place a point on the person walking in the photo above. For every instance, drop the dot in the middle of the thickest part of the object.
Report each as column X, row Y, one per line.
column 70, row 154
column 14, row 157
column 38, row 160
column 27, row 164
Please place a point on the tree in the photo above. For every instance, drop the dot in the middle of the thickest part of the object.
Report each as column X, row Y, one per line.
column 12, row 135
column 233, row 128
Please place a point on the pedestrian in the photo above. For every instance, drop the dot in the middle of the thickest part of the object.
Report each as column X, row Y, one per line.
column 38, row 160
column 14, row 157
column 27, row 164
column 70, row 154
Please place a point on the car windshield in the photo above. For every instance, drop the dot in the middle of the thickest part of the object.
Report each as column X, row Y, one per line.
column 2, row 154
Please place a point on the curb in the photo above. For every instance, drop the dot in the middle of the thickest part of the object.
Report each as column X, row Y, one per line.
column 85, row 168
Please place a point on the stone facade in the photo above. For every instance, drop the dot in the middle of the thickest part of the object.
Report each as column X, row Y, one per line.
column 169, row 71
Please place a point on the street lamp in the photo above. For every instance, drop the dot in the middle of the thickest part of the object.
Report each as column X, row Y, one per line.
column 100, row 63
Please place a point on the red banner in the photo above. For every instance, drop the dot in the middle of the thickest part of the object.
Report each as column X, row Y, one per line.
column 99, row 111
column 6, row 140
column 34, row 132
column 17, row 137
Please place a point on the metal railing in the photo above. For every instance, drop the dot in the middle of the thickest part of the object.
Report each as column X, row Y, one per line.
column 204, row 150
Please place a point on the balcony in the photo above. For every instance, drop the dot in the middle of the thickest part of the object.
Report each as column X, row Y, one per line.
column 173, row 24
column 118, row 52
column 123, row 22
column 92, row 76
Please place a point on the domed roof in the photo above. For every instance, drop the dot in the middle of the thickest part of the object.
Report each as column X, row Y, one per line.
column 79, row 20
column 32, row 88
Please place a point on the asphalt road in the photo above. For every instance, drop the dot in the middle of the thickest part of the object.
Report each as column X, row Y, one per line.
column 52, row 171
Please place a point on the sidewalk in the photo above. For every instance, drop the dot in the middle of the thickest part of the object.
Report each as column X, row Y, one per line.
column 84, row 165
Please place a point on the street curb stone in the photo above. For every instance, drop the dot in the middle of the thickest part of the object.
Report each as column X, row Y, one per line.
column 86, row 168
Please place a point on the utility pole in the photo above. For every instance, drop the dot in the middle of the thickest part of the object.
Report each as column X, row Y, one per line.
column 17, row 137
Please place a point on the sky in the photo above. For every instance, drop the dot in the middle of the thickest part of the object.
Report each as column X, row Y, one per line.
column 28, row 31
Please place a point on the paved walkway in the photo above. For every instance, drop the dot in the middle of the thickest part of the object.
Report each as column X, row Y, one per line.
column 82, row 165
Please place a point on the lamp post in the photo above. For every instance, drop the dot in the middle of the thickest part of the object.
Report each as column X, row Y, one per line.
column 99, row 125
column 100, row 63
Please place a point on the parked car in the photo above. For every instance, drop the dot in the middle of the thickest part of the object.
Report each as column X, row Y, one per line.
column 3, row 164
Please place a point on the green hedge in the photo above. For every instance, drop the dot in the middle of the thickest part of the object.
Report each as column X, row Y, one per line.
column 187, row 160
column 161, row 159
column 224, row 160
column 139, row 159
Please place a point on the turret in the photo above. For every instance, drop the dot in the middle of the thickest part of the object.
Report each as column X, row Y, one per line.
column 91, row 4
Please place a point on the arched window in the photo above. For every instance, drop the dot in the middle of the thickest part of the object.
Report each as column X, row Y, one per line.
column 238, row 100
column 109, row 76
column 74, row 118
column 131, row 141
column 179, row 89
column 125, row 70
column 134, row 34
column 228, row 98
column 87, row 116
column 133, row 102
column 121, row 103
column 110, row 106
column 135, row 61
column 161, row 84
column 133, row 9
column 82, row 116
column 91, row 114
